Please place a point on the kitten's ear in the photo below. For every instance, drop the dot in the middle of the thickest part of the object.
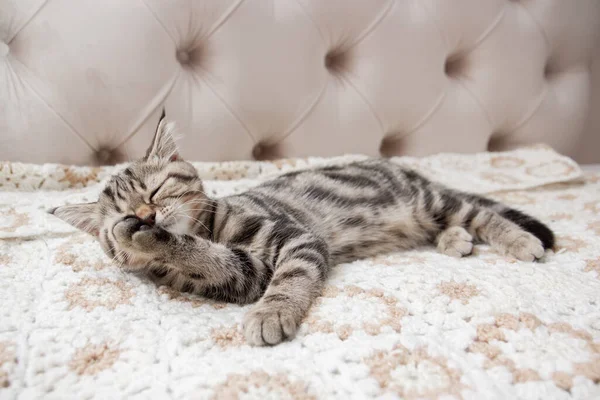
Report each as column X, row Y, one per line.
column 81, row 216
column 163, row 145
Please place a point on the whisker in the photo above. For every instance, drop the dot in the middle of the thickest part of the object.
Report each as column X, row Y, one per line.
column 192, row 201
column 199, row 201
column 196, row 220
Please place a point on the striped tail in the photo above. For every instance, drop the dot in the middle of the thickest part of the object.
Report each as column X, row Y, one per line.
column 531, row 225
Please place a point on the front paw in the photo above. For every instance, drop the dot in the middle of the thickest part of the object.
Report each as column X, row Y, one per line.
column 269, row 324
column 150, row 239
column 133, row 233
column 126, row 228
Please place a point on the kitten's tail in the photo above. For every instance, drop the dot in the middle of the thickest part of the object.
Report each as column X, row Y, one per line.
column 524, row 221
column 529, row 224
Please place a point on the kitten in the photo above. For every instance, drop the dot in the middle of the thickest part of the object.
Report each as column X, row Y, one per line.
column 276, row 243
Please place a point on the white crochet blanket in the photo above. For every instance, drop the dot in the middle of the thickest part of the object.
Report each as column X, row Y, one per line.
column 409, row 325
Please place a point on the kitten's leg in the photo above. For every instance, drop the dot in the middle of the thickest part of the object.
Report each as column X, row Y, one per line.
column 455, row 242
column 301, row 260
column 301, row 270
column 193, row 264
column 504, row 235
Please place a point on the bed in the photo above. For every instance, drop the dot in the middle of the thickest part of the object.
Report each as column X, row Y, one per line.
column 415, row 324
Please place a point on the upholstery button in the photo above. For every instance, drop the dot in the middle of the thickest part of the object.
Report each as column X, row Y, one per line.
column 183, row 57
column 392, row 144
column 548, row 71
column 266, row 151
column 107, row 156
column 257, row 151
column 335, row 61
column 4, row 49
column 454, row 67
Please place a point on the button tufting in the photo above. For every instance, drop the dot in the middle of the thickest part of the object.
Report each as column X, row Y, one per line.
column 4, row 49
column 548, row 71
column 257, row 151
column 454, row 67
column 335, row 61
column 331, row 80
column 183, row 57
column 392, row 144
column 267, row 151
column 107, row 156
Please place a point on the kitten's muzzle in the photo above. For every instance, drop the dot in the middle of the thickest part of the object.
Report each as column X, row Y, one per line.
column 146, row 213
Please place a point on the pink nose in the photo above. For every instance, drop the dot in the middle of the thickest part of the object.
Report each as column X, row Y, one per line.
column 146, row 214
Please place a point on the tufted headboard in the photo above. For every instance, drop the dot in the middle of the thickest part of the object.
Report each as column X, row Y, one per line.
column 84, row 81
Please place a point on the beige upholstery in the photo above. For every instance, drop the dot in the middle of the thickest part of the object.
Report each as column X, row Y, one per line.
column 83, row 81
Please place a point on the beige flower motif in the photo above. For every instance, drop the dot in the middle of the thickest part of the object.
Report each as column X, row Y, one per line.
column 229, row 172
column 414, row 375
column 594, row 227
column 590, row 370
column 378, row 311
column 490, row 336
column 15, row 220
column 489, row 332
column 282, row 162
column 259, row 384
column 7, row 356
column 79, row 176
column 91, row 359
column 67, row 254
column 593, row 206
column 5, row 259
column 90, row 293
column 593, row 265
column 591, row 177
column 556, row 168
column 191, row 299
column 563, row 380
column 570, row 243
column 525, row 375
column 506, row 162
column 491, row 352
column 567, row 197
column 496, row 177
column 563, row 327
column 228, row 336
column 458, row 290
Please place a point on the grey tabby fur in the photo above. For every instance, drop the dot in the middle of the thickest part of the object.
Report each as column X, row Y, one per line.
column 276, row 243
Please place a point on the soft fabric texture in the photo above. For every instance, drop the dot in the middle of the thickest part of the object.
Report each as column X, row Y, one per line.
column 413, row 324
column 85, row 81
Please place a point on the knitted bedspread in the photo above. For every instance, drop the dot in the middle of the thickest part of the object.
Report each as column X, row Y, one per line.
column 410, row 325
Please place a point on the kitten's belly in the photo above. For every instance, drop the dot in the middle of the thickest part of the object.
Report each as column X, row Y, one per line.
column 357, row 234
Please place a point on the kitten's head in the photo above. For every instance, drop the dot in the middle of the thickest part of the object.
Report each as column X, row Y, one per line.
column 158, row 190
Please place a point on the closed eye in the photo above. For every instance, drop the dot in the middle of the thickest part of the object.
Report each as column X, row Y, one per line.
column 155, row 191
column 181, row 177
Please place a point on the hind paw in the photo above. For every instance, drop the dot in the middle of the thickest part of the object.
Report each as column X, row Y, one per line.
column 455, row 242
column 526, row 248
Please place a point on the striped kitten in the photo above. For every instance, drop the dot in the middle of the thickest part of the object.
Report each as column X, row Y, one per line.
column 276, row 243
